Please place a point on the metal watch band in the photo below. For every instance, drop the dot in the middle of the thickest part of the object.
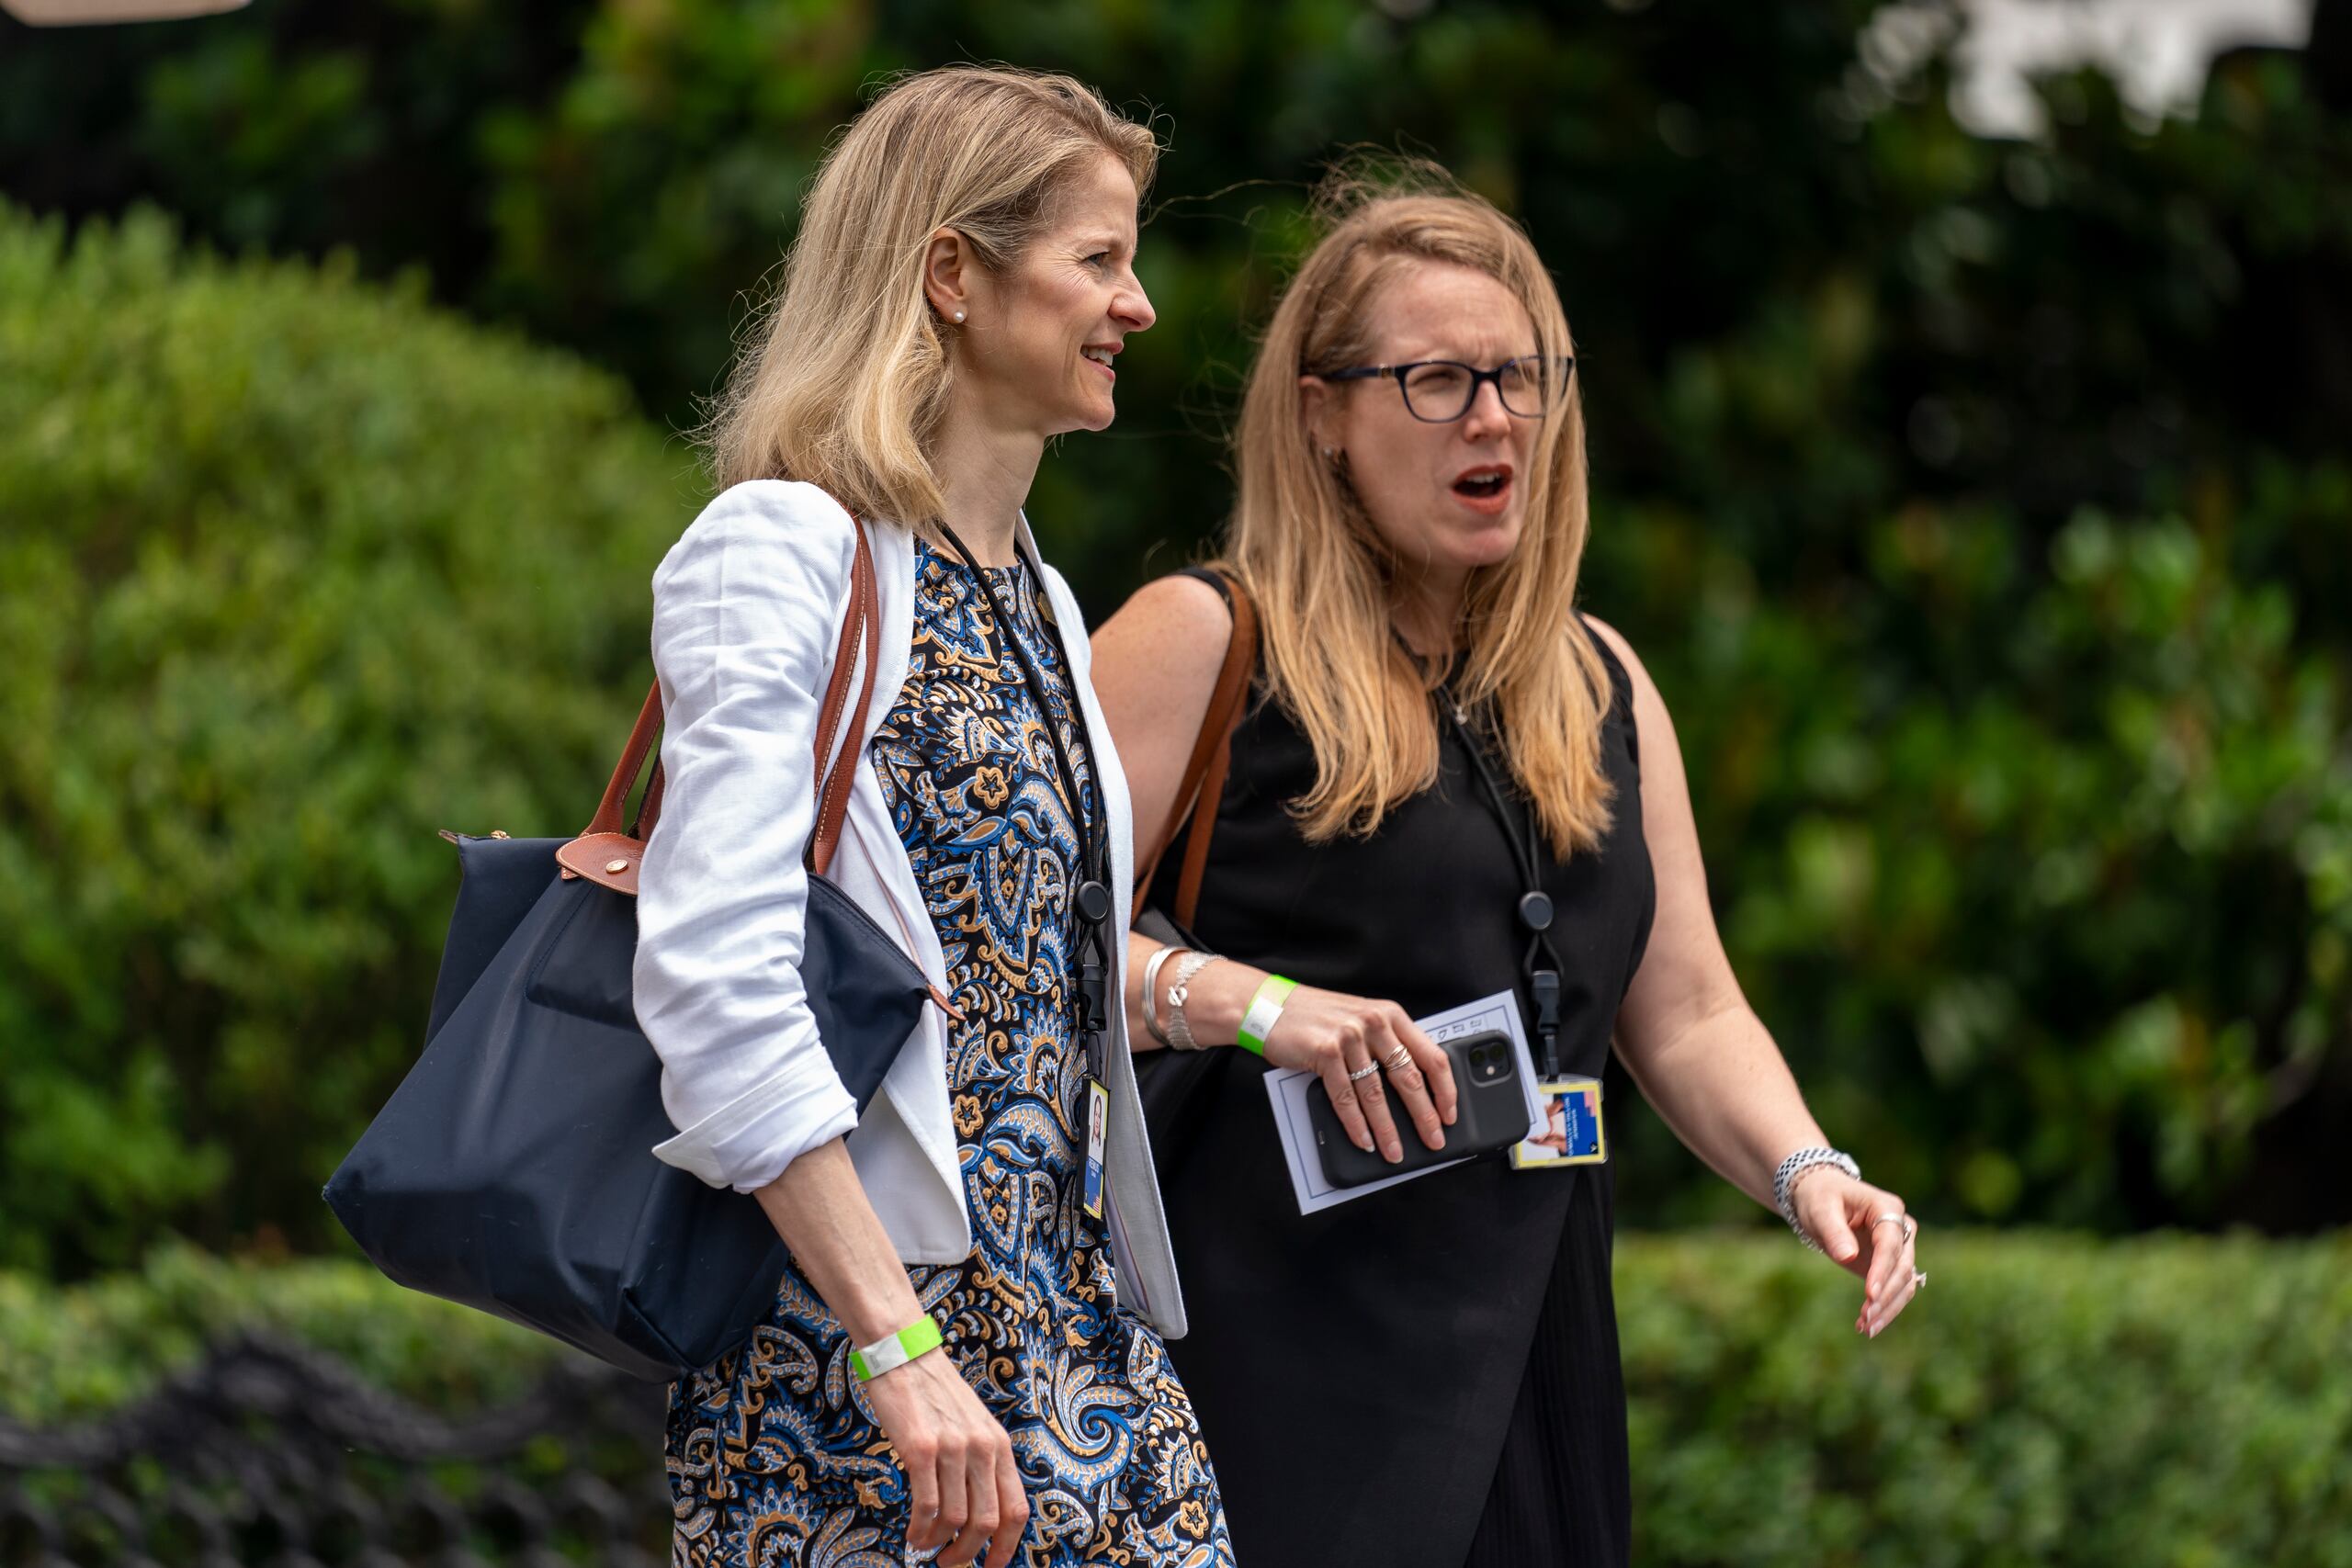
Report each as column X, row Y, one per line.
column 1784, row 1183
column 887, row 1355
column 1179, row 1028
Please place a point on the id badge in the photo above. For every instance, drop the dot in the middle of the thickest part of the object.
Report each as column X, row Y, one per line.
column 1573, row 1133
column 1098, row 1117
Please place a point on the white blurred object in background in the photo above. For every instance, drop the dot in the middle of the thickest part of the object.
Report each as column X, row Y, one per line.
column 2157, row 50
column 80, row 13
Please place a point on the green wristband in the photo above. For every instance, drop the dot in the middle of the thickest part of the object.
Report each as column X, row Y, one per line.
column 888, row 1355
column 1265, row 1008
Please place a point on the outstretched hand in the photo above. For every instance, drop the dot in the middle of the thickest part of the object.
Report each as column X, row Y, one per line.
column 1867, row 1232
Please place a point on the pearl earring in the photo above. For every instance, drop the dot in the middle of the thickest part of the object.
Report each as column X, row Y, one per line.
column 959, row 315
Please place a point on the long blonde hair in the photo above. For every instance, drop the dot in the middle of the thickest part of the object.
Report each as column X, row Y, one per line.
column 844, row 375
column 1299, row 540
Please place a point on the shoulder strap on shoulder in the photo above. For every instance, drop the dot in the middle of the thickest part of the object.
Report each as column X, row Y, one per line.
column 861, row 620
column 1213, row 578
column 1203, row 781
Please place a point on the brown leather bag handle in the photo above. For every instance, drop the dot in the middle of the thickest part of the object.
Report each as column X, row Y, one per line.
column 862, row 622
column 642, row 737
column 1203, row 784
column 604, row 853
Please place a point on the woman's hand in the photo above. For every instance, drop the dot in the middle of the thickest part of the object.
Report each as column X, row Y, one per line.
column 1866, row 1231
column 961, row 1482
column 1332, row 1034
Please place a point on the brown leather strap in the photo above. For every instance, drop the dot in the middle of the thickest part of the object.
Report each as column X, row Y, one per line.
column 605, row 855
column 829, row 713
column 862, row 615
column 649, row 810
column 641, row 737
column 1202, row 784
column 862, row 622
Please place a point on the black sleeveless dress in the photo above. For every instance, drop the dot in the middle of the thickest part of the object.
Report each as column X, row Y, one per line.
column 1426, row 1376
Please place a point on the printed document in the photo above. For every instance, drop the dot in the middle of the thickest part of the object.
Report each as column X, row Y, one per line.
column 1289, row 1087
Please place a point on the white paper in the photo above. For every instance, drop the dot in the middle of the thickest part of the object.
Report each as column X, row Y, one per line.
column 1288, row 1087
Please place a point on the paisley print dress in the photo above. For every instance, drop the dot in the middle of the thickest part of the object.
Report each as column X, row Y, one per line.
column 773, row 1455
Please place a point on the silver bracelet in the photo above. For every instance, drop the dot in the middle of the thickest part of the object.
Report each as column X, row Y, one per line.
column 1784, row 1183
column 1179, row 1029
column 1151, row 967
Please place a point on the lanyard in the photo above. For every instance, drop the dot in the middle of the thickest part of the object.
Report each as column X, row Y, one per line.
column 1092, row 899
column 1541, row 962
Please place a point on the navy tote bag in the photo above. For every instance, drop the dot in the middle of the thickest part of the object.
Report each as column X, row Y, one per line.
column 512, row 1171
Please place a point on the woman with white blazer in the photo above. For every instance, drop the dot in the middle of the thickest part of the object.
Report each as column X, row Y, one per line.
column 966, row 1353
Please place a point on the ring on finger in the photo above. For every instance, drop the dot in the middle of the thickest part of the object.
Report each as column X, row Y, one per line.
column 1398, row 1060
column 1910, row 1227
column 1919, row 1280
column 1892, row 1220
column 1363, row 1072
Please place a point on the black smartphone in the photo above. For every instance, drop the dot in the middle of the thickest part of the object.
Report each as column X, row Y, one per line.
column 1490, row 1113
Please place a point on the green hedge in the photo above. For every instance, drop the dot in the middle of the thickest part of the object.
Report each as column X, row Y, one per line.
column 2051, row 1400
column 68, row 1352
column 293, row 572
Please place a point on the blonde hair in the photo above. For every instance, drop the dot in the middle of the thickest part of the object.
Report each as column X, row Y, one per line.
column 1299, row 540
column 844, row 375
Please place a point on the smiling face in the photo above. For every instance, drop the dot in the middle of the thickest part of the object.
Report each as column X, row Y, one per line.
column 1039, row 337
column 1447, row 498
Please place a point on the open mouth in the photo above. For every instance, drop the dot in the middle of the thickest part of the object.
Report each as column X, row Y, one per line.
column 1100, row 357
column 1488, row 483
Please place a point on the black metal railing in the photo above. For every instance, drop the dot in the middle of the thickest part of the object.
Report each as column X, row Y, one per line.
column 269, row 1455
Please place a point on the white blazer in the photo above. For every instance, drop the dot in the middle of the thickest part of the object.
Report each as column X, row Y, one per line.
column 747, row 613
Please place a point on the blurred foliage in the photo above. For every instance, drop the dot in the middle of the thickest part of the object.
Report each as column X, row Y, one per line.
column 297, row 571
column 73, row 1353
column 1981, row 506
column 2050, row 1400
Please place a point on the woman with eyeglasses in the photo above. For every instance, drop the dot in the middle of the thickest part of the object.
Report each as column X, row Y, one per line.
column 1445, row 783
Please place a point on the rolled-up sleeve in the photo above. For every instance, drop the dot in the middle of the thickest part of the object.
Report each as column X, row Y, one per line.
column 745, row 609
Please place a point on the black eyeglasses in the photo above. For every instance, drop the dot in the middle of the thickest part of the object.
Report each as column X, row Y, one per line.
column 1439, row 391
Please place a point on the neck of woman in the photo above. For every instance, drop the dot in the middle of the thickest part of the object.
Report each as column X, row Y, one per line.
column 984, row 475
column 1426, row 604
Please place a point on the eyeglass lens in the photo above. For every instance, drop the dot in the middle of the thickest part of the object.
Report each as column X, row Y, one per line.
column 1441, row 393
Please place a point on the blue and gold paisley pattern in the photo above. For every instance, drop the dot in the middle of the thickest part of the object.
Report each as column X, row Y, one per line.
column 775, row 1458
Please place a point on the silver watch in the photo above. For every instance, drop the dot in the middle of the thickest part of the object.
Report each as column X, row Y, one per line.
column 1784, row 1183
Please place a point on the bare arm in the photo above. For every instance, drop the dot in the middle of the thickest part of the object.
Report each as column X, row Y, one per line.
column 1686, row 1033
column 1155, row 667
column 1156, row 664
column 963, row 1486
column 820, row 1209
column 1703, row 1057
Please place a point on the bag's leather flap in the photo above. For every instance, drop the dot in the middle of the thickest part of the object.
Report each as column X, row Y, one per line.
column 609, row 860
